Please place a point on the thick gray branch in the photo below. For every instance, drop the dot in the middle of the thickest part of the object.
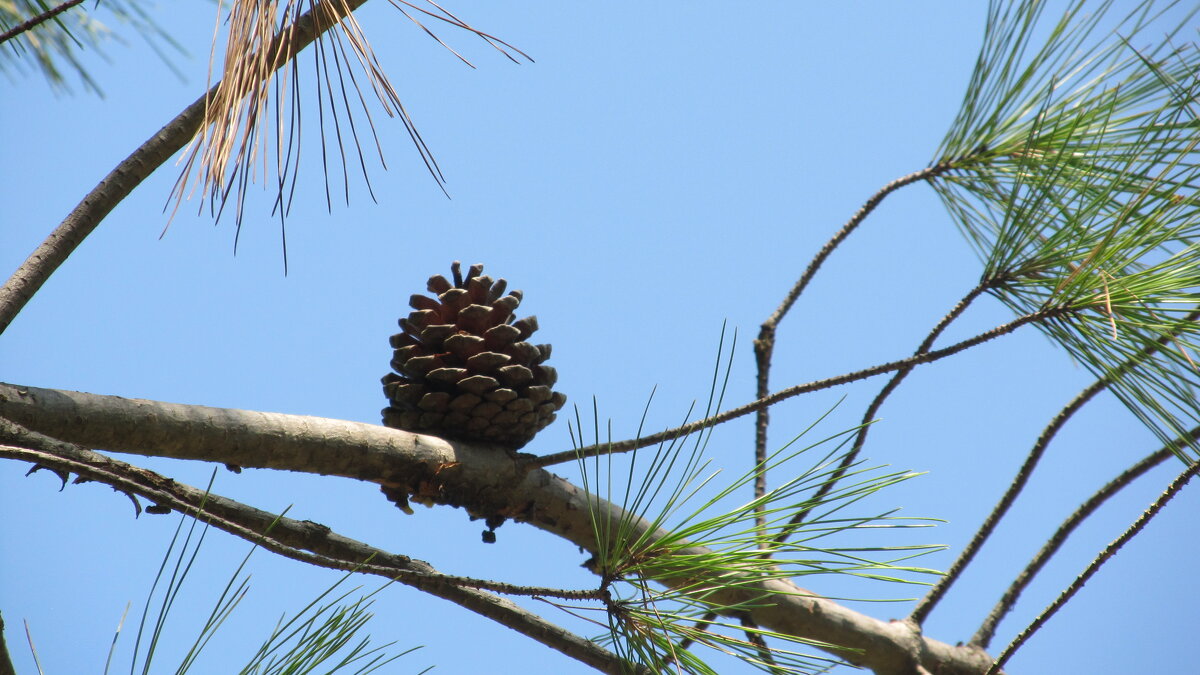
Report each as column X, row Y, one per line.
column 482, row 479
column 300, row 540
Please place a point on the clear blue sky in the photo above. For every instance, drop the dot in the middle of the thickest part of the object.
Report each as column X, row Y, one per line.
column 660, row 169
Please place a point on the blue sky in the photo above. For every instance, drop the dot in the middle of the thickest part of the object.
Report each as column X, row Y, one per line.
column 658, row 170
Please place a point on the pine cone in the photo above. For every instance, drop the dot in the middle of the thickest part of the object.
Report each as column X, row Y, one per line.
column 463, row 368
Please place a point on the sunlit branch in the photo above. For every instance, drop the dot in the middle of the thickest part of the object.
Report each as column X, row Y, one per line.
column 985, row 530
column 480, row 478
column 311, row 543
column 764, row 345
column 869, row 416
column 1108, row 552
column 670, row 434
column 921, row 612
column 987, row 630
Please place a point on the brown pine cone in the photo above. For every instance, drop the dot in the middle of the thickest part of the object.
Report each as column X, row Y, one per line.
column 463, row 368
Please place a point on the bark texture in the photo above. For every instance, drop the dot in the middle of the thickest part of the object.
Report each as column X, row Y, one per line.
column 487, row 481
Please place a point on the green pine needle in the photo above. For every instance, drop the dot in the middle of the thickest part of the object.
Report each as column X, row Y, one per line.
column 53, row 48
column 1075, row 179
column 683, row 523
column 325, row 633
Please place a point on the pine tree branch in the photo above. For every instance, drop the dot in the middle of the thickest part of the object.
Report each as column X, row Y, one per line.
column 481, row 479
column 1105, row 555
column 1045, row 314
column 121, row 181
column 699, row 627
column 35, row 21
column 764, row 345
column 987, row 630
column 840, row 236
column 310, row 542
column 935, row 594
column 760, row 645
column 860, row 438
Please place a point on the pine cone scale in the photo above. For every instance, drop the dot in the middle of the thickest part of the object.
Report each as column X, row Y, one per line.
column 463, row 367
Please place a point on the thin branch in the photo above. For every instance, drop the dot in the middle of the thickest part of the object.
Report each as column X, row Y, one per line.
column 921, row 612
column 1044, row 314
column 700, row 626
column 860, row 439
column 987, row 630
column 859, row 216
column 35, row 21
column 120, row 182
column 764, row 346
column 873, row 409
column 311, row 543
column 760, row 644
column 1108, row 552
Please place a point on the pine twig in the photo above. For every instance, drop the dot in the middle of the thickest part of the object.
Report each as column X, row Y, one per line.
column 699, row 627
column 1105, row 555
column 1044, row 314
column 860, row 438
column 760, row 644
column 35, row 21
column 935, row 594
column 921, row 612
column 764, row 345
column 987, row 630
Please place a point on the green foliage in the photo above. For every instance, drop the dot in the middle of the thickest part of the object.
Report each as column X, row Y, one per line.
column 55, row 47
column 325, row 633
column 683, row 549
column 1074, row 175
